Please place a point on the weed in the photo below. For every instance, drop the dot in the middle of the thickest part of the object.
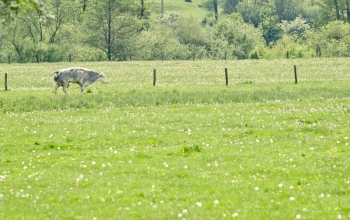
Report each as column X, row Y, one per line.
column 192, row 149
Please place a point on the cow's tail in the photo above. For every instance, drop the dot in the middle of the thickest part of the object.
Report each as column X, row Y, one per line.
column 57, row 72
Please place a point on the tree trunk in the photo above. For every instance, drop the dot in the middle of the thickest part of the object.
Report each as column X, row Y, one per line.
column 162, row 7
column 337, row 12
column 142, row 9
column 84, row 4
column 40, row 28
column 216, row 9
column 18, row 50
column 57, row 26
column 109, row 33
column 347, row 2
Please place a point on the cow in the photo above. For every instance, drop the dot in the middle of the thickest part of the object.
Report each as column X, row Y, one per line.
column 82, row 76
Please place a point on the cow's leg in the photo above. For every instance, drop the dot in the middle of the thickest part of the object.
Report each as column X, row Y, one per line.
column 56, row 87
column 65, row 86
column 81, row 88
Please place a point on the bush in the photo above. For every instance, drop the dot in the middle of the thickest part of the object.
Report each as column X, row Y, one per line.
column 296, row 49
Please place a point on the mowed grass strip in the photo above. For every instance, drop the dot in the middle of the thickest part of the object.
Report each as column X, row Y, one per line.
column 192, row 148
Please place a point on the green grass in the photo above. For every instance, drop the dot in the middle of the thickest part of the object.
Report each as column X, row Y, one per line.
column 188, row 9
column 190, row 147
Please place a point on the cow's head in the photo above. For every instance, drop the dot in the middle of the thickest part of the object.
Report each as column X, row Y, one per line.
column 102, row 78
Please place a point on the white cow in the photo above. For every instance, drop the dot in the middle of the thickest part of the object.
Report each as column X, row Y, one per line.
column 82, row 76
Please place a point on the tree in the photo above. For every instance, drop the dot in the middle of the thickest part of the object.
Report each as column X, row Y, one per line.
column 236, row 38
column 332, row 40
column 216, row 11
column 35, row 37
column 229, row 6
column 297, row 27
column 189, row 33
column 9, row 9
column 295, row 47
column 159, row 42
column 286, row 9
column 251, row 10
column 213, row 7
column 272, row 32
column 332, row 10
column 113, row 26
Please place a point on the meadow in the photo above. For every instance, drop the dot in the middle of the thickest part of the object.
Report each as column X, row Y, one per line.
column 190, row 147
column 193, row 9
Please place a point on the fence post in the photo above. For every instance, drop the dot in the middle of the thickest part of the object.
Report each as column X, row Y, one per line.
column 287, row 54
column 9, row 59
column 5, row 81
column 226, row 76
column 154, row 77
column 70, row 57
column 295, row 74
column 225, row 55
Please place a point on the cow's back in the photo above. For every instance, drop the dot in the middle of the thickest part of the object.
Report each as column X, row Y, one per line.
column 71, row 75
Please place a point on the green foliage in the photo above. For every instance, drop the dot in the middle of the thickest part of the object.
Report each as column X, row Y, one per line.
column 331, row 10
column 58, row 30
column 9, row 9
column 297, row 27
column 159, row 42
column 269, row 24
column 190, row 33
column 229, row 6
column 287, row 10
column 172, row 20
column 332, row 40
column 236, row 38
column 112, row 28
column 294, row 46
column 250, row 12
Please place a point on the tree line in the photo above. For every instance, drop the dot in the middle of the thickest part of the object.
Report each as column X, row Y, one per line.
column 98, row 30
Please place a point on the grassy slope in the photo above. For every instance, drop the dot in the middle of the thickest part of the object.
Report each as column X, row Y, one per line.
column 191, row 147
column 185, row 8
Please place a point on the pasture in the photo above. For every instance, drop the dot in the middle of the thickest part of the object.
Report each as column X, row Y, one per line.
column 188, row 148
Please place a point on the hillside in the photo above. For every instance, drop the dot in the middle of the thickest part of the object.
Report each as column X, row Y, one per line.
column 185, row 8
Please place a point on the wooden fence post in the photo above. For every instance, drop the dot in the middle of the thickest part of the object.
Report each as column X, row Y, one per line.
column 295, row 74
column 154, row 77
column 226, row 76
column 5, row 81
column 9, row 59
column 70, row 58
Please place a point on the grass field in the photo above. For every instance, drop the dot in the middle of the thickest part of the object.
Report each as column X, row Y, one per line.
column 188, row 148
column 187, row 9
